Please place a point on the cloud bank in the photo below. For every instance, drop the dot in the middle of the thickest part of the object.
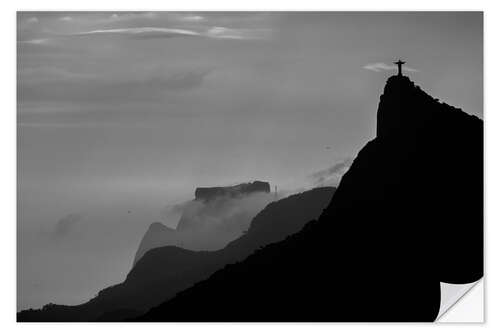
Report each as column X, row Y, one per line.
column 141, row 32
column 380, row 66
column 211, row 225
column 330, row 176
column 56, row 85
column 67, row 224
column 215, row 32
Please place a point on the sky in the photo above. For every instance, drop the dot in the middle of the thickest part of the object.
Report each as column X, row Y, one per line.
column 122, row 112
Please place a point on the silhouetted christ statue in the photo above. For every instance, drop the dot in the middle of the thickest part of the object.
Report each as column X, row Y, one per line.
column 400, row 64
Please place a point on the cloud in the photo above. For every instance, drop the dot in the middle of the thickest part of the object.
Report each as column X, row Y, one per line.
column 122, row 17
column 227, row 33
column 331, row 175
column 42, row 74
column 134, row 33
column 40, row 41
column 141, row 32
column 67, row 224
column 152, row 32
column 380, row 66
column 32, row 20
column 191, row 18
column 158, row 32
column 54, row 85
column 181, row 80
column 211, row 225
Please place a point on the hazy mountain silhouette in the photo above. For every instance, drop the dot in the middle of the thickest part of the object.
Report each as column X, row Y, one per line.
column 157, row 235
column 216, row 216
column 407, row 215
column 212, row 193
column 164, row 271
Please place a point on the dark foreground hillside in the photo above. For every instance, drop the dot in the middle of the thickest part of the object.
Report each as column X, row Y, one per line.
column 164, row 271
column 407, row 215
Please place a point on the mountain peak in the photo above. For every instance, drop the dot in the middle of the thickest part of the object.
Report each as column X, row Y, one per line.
column 155, row 226
column 405, row 108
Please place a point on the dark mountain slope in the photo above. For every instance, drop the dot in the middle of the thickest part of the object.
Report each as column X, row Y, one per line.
column 408, row 214
column 164, row 271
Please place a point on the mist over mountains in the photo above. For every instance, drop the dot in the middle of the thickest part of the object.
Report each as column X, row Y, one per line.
column 214, row 218
column 367, row 253
column 164, row 271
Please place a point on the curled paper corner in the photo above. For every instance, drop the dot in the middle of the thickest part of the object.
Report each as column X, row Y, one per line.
column 461, row 303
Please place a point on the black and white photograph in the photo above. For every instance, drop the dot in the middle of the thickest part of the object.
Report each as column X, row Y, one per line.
column 249, row 166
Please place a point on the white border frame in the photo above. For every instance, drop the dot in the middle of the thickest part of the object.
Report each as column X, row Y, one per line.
column 8, row 166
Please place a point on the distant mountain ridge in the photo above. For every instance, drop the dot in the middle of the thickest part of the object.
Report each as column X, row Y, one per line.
column 233, row 207
column 164, row 271
column 407, row 215
column 211, row 193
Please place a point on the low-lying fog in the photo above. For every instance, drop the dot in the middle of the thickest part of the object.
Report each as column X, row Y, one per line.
column 70, row 247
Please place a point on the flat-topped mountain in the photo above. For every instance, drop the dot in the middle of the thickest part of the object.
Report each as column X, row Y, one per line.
column 211, row 193
column 407, row 215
